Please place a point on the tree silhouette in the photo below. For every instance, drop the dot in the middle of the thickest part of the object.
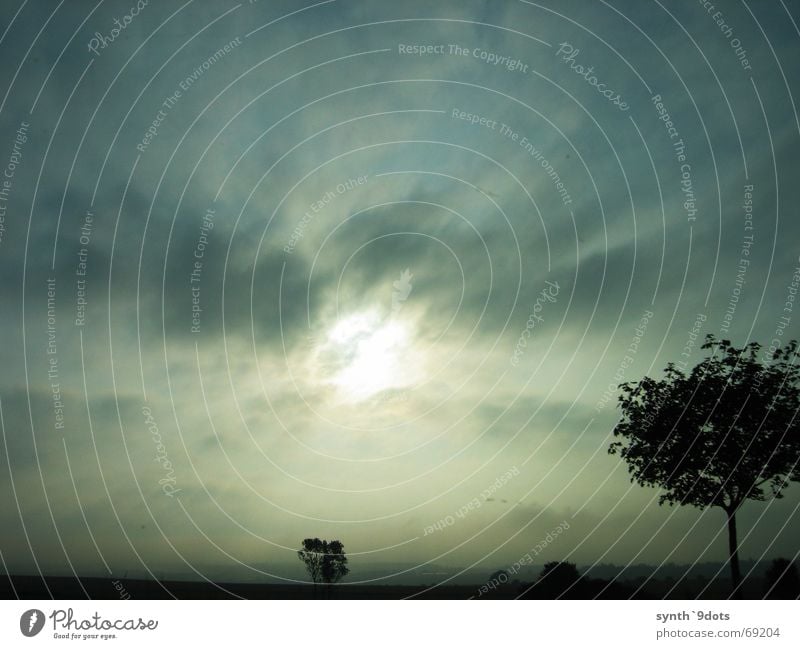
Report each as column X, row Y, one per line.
column 561, row 571
column 557, row 580
column 560, row 579
column 723, row 434
column 325, row 561
column 334, row 563
column 311, row 554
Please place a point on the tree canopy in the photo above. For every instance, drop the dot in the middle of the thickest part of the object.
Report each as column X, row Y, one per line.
column 326, row 562
column 722, row 434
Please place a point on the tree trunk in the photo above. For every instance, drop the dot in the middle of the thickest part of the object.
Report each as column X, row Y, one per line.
column 733, row 549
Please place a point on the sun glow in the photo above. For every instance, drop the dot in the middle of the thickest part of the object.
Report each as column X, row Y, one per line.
column 365, row 355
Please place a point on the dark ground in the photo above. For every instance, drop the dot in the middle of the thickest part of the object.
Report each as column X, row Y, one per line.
column 33, row 587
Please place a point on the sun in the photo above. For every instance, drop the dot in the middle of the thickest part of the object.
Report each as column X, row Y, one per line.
column 364, row 354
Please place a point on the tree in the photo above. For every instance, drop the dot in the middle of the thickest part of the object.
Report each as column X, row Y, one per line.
column 325, row 562
column 311, row 554
column 557, row 580
column 718, row 436
column 560, row 579
column 334, row 563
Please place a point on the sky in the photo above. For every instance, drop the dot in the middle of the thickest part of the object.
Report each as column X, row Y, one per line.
column 373, row 271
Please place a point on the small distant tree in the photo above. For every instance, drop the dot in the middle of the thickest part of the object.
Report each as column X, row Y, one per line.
column 725, row 433
column 559, row 579
column 561, row 573
column 334, row 563
column 311, row 554
column 325, row 561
